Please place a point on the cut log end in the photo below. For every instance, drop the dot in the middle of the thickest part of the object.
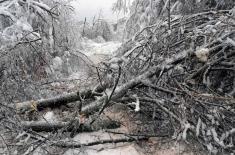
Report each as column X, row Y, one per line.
column 26, row 106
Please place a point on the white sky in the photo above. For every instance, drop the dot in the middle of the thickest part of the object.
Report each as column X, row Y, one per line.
column 90, row 8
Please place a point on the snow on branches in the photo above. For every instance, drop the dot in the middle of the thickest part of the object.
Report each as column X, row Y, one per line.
column 19, row 19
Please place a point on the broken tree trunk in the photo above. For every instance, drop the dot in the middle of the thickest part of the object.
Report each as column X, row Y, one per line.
column 94, row 106
column 121, row 91
column 53, row 102
column 41, row 126
column 66, row 144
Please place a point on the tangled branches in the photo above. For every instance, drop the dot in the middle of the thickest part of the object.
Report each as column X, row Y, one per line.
column 197, row 91
column 178, row 73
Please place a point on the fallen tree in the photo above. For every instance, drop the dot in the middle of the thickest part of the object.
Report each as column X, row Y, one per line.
column 71, row 126
column 94, row 106
column 64, row 144
column 56, row 101
column 183, row 75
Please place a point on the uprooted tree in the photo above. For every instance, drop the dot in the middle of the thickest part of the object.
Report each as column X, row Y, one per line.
column 177, row 68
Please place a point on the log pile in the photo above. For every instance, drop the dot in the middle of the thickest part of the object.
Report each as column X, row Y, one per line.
column 185, row 74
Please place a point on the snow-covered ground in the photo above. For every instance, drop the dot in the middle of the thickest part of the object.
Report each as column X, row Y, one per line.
column 107, row 149
column 79, row 64
column 99, row 51
column 96, row 53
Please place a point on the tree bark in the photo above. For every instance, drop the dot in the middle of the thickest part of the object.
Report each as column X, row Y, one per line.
column 64, row 144
column 53, row 102
column 41, row 126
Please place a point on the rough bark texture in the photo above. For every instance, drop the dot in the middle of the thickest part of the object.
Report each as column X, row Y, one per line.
column 53, row 102
column 41, row 126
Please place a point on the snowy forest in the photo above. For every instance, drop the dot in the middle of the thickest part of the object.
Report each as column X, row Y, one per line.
column 157, row 80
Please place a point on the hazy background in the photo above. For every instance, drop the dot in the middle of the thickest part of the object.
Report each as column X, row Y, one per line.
column 91, row 8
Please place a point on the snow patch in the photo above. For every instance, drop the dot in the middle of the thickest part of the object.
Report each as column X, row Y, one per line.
column 106, row 149
column 107, row 48
column 24, row 25
column 57, row 64
column 202, row 54
column 137, row 104
column 49, row 117
column 98, row 52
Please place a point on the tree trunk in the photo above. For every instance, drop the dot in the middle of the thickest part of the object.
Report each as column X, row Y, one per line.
column 41, row 126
